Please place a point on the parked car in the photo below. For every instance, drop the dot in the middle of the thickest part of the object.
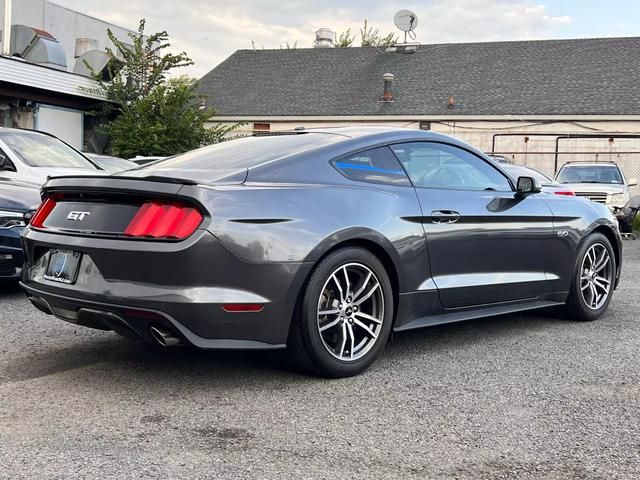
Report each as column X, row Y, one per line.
column 320, row 241
column 145, row 160
column 30, row 156
column 601, row 182
column 111, row 164
column 16, row 202
column 548, row 185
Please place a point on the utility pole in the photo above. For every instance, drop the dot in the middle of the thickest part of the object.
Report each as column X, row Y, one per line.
column 6, row 29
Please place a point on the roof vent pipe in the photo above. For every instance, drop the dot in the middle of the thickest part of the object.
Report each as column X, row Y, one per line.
column 324, row 38
column 387, row 95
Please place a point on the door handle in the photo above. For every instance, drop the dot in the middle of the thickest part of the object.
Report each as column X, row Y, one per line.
column 444, row 216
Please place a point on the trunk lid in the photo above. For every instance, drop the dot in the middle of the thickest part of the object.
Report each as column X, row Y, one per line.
column 106, row 205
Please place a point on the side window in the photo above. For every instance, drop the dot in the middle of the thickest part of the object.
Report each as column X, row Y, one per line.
column 377, row 165
column 5, row 163
column 438, row 165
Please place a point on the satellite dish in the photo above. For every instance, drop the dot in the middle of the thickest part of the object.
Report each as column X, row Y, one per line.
column 406, row 20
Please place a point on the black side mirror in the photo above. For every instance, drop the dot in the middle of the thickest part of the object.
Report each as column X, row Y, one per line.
column 527, row 185
column 5, row 163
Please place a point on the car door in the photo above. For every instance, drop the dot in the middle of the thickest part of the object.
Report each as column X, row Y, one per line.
column 486, row 243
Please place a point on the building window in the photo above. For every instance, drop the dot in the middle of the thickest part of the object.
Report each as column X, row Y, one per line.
column 261, row 127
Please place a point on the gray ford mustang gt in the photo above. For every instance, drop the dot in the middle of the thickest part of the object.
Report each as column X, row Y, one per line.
column 320, row 241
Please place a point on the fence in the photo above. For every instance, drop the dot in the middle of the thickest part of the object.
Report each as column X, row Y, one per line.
column 545, row 162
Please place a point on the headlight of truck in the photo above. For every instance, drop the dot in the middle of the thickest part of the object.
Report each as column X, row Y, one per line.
column 11, row 219
column 618, row 198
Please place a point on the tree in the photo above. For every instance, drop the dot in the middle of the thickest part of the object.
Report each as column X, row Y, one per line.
column 152, row 115
column 369, row 37
column 163, row 123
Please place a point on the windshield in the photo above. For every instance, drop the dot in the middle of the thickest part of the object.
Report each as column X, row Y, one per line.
column 609, row 174
column 37, row 150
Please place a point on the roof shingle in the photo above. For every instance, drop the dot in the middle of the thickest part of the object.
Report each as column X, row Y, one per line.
column 548, row 77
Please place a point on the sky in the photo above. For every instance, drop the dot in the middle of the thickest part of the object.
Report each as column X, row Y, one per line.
column 211, row 30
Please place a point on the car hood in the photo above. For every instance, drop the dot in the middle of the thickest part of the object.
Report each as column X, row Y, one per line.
column 595, row 187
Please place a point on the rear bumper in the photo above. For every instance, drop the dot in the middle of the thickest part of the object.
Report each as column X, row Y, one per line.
column 133, row 285
column 127, row 320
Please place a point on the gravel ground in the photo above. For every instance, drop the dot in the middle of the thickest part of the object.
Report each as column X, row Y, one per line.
column 521, row 396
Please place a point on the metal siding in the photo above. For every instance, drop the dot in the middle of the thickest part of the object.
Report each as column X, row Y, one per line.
column 21, row 73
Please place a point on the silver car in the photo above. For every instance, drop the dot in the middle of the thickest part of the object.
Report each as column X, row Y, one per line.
column 601, row 182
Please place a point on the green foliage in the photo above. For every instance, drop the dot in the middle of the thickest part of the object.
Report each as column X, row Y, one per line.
column 151, row 114
column 636, row 223
column 345, row 39
column 140, row 67
column 163, row 123
column 369, row 37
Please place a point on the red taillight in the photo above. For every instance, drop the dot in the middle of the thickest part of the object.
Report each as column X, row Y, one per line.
column 565, row 192
column 242, row 307
column 43, row 212
column 164, row 220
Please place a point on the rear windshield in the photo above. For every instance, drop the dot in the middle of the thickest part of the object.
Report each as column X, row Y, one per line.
column 37, row 150
column 245, row 152
column 590, row 174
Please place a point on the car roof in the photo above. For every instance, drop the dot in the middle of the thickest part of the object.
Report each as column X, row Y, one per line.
column 365, row 131
column 590, row 164
column 24, row 130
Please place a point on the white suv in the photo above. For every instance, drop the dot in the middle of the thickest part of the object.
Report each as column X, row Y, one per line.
column 601, row 182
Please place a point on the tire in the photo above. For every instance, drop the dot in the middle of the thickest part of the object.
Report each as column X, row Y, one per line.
column 581, row 304
column 346, row 339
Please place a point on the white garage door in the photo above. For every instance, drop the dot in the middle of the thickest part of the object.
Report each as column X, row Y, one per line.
column 64, row 123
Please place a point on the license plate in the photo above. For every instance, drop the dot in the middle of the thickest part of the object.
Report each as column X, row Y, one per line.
column 63, row 266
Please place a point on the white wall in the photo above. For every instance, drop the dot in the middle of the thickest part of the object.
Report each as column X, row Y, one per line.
column 64, row 123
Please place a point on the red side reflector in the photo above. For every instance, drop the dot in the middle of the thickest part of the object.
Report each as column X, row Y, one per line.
column 565, row 192
column 164, row 220
column 242, row 307
column 145, row 314
column 43, row 212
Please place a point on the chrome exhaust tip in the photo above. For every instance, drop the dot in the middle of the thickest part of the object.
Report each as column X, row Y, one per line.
column 164, row 337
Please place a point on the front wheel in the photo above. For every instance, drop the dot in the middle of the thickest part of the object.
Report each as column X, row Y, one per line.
column 345, row 315
column 594, row 278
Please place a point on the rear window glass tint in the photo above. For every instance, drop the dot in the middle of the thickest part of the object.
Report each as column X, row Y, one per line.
column 246, row 152
column 378, row 165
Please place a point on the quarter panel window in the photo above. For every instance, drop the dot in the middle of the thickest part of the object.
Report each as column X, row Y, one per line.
column 438, row 165
column 378, row 165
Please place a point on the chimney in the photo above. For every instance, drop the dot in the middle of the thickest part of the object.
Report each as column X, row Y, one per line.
column 324, row 38
column 387, row 95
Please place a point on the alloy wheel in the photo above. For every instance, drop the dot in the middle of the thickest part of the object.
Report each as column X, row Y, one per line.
column 596, row 276
column 350, row 311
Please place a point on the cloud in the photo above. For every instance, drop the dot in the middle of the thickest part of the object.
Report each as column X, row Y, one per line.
column 211, row 31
